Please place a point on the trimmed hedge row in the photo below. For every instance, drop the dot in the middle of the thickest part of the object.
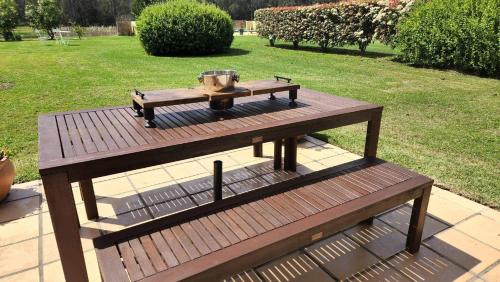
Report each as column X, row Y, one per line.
column 461, row 34
column 184, row 27
column 336, row 24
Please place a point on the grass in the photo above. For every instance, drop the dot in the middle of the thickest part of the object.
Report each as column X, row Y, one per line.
column 440, row 123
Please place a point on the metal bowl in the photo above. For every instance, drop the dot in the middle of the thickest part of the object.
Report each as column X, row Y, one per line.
column 219, row 80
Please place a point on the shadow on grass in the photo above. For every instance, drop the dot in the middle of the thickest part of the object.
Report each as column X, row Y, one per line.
column 339, row 51
column 320, row 136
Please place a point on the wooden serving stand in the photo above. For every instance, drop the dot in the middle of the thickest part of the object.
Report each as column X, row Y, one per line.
column 144, row 102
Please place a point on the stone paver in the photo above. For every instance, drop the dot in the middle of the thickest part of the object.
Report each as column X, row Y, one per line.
column 483, row 228
column 464, row 250
column 462, row 237
column 493, row 275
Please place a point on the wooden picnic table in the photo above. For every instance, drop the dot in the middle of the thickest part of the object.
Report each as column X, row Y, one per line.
column 81, row 145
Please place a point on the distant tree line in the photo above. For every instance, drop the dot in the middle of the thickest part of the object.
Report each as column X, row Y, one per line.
column 244, row 9
column 107, row 12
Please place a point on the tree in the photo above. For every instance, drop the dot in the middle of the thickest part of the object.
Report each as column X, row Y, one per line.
column 8, row 18
column 45, row 15
column 139, row 5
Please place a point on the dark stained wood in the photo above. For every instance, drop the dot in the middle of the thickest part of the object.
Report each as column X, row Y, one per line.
column 130, row 145
column 278, row 144
column 153, row 254
column 81, row 145
column 290, row 162
column 164, row 249
column 372, row 134
column 273, row 224
column 65, row 223
column 50, row 145
column 237, row 200
column 417, row 220
column 265, row 86
column 157, row 98
column 88, row 196
column 168, row 97
column 257, row 150
column 175, row 246
column 299, row 231
column 131, row 264
column 113, row 269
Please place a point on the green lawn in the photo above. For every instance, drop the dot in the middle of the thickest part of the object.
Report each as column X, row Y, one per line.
column 440, row 123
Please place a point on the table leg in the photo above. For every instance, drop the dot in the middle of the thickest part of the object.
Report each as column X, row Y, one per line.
column 88, row 196
column 292, row 94
column 417, row 221
column 257, row 150
column 64, row 217
column 149, row 116
column 372, row 133
column 137, row 109
column 291, row 153
column 277, row 153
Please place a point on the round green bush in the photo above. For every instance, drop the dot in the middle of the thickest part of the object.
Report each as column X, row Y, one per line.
column 460, row 34
column 184, row 27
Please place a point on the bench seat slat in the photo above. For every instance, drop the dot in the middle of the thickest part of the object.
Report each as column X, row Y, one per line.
column 132, row 266
column 164, row 249
column 109, row 259
column 153, row 253
column 266, row 226
column 175, row 246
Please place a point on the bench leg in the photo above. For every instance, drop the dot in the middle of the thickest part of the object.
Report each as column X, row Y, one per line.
column 149, row 116
column 371, row 144
column 137, row 109
column 257, row 150
column 291, row 153
column 417, row 221
column 368, row 221
column 277, row 153
column 64, row 217
column 88, row 196
column 292, row 94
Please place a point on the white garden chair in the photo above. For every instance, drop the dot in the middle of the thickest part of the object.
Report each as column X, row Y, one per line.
column 59, row 36
column 40, row 36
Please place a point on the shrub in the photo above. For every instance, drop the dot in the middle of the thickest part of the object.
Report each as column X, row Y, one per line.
column 45, row 15
column 461, row 34
column 184, row 27
column 336, row 24
column 8, row 18
column 80, row 32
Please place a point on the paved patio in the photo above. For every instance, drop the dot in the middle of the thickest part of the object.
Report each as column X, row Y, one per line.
column 461, row 237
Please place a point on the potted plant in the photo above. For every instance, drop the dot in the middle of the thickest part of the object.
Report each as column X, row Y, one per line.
column 7, row 174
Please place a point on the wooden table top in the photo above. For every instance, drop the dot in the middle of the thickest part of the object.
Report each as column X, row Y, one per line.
column 92, row 143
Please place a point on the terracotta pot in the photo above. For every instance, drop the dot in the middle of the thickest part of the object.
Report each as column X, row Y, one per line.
column 7, row 174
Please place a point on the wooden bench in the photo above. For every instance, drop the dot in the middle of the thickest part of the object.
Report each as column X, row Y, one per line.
column 225, row 237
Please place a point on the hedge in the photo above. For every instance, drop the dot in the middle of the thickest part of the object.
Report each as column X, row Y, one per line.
column 184, row 27
column 335, row 24
column 460, row 34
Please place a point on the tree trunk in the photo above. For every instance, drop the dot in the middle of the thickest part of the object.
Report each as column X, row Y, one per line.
column 51, row 34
